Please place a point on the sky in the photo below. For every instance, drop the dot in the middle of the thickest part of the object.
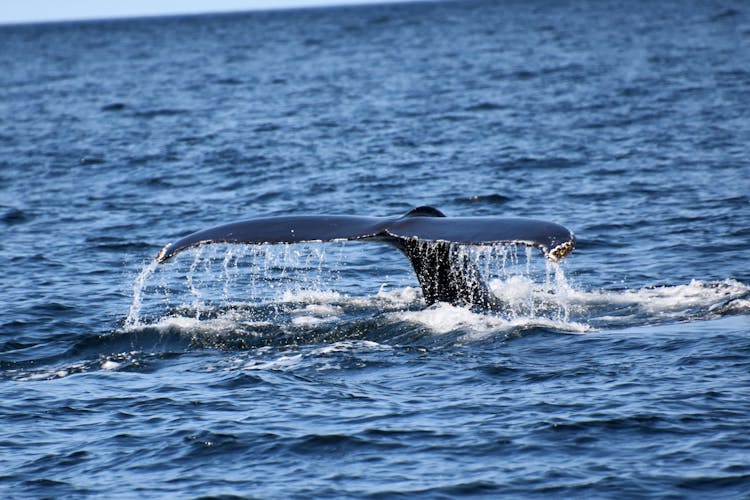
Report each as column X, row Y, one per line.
column 21, row 11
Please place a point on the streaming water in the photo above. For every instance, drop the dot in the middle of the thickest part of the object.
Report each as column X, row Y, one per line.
column 140, row 282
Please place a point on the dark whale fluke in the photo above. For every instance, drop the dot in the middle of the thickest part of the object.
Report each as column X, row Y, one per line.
column 425, row 235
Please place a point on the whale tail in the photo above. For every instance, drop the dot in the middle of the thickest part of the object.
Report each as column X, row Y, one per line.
column 425, row 235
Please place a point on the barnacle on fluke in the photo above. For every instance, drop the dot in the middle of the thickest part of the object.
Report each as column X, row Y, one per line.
column 562, row 249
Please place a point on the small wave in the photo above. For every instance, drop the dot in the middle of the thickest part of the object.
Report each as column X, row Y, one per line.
column 228, row 322
column 484, row 199
column 50, row 374
column 123, row 361
column 725, row 14
column 327, row 357
column 485, row 106
column 115, row 106
column 13, row 216
column 153, row 113
column 229, row 81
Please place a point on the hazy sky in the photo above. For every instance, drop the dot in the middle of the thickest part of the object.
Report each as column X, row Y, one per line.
column 12, row 11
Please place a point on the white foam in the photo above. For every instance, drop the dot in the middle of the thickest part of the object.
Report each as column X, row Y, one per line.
column 311, row 296
column 49, row 375
column 398, row 296
column 52, row 374
column 739, row 305
column 670, row 301
column 289, row 360
column 111, row 365
column 321, row 309
column 442, row 318
column 350, row 345
column 282, row 363
column 696, row 293
column 227, row 322
column 311, row 320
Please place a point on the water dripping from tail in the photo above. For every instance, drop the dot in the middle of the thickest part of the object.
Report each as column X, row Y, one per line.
column 252, row 277
column 133, row 319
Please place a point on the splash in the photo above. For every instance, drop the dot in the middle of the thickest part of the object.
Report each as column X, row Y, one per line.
column 135, row 307
column 532, row 293
column 250, row 296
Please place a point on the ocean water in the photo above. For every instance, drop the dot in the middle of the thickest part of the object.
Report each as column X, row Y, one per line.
column 316, row 370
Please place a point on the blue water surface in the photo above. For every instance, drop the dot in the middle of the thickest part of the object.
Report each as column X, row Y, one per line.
column 317, row 370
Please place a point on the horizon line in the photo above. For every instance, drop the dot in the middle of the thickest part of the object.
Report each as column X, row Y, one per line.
column 196, row 13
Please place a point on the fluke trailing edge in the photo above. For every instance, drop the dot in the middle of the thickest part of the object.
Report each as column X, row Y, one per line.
column 425, row 235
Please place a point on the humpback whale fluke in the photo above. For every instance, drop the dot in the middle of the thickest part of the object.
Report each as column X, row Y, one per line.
column 425, row 235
